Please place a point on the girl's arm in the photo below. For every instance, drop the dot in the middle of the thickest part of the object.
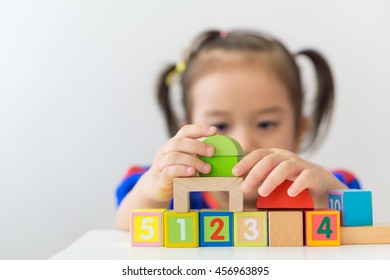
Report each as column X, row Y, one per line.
column 176, row 158
column 137, row 198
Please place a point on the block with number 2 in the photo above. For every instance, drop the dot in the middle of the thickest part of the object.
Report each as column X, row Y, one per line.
column 216, row 228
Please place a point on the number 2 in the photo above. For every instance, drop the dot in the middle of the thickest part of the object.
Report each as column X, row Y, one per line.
column 215, row 235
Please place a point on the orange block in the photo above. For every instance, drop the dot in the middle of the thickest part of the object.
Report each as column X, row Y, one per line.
column 279, row 199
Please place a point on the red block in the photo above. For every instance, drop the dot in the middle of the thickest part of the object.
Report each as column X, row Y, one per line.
column 279, row 199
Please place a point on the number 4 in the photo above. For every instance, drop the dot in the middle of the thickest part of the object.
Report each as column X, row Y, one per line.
column 325, row 228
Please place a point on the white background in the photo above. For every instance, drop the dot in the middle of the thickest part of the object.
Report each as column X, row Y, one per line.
column 77, row 104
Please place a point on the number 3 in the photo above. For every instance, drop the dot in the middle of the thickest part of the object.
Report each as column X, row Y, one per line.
column 252, row 228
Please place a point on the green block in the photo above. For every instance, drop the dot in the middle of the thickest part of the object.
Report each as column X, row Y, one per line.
column 228, row 152
column 220, row 166
column 224, row 146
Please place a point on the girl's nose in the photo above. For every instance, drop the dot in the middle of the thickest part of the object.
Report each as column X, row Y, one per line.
column 247, row 142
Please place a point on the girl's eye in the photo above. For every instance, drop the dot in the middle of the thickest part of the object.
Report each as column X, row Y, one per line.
column 267, row 124
column 221, row 126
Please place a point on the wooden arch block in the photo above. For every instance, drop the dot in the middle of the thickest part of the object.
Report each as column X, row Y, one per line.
column 183, row 186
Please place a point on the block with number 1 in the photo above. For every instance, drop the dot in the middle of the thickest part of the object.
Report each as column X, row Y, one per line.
column 181, row 229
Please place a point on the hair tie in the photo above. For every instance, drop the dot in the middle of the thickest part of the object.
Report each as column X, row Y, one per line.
column 223, row 34
column 180, row 67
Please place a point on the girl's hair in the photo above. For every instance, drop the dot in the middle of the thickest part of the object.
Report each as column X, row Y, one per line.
column 273, row 52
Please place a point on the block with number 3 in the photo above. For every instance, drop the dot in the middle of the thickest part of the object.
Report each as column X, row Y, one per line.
column 146, row 228
column 322, row 227
column 181, row 229
column 250, row 228
column 216, row 228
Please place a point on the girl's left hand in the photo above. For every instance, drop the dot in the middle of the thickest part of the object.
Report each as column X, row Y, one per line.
column 268, row 168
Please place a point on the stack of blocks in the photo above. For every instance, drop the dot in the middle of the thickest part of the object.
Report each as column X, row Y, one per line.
column 279, row 220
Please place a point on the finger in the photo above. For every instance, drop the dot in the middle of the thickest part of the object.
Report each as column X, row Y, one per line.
column 306, row 180
column 249, row 161
column 285, row 170
column 196, row 131
column 260, row 171
column 173, row 171
column 177, row 158
column 188, row 146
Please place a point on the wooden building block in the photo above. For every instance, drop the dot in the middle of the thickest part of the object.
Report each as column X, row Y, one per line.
column 181, row 230
column 228, row 152
column 146, row 228
column 279, row 199
column 322, row 227
column 250, row 228
column 355, row 206
column 183, row 186
column 215, row 228
column 376, row 234
column 285, row 228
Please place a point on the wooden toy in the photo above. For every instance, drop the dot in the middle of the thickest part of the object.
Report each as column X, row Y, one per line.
column 322, row 227
column 285, row 228
column 279, row 199
column 146, row 227
column 227, row 153
column 250, row 228
column 215, row 228
column 355, row 206
column 183, row 186
column 376, row 234
column 181, row 229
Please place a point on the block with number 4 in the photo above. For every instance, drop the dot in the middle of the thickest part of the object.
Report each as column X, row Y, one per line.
column 216, row 228
column 250, row 228
column 181, row 229
column 322, row 227
column 146, row 227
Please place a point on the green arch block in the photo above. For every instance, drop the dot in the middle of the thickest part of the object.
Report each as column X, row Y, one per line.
column 228, row 152
column 224, row 146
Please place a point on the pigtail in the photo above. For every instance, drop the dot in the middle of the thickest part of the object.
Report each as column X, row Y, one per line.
column 324, row 99
column 164, row 100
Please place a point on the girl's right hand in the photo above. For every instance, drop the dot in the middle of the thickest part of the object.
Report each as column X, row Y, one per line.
column 178, row 158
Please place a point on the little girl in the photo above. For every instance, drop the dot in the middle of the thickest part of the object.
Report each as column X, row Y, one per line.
column 245, row 85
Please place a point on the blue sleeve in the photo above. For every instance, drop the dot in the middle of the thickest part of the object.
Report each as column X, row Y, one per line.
column 347, row 178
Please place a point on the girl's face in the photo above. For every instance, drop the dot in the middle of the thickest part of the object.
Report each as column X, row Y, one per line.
column 248, row 103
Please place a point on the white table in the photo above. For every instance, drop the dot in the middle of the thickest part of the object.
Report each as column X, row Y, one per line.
column 115, row 245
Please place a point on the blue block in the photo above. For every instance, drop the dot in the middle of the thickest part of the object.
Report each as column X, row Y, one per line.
column 355, row 206
column 215, row 228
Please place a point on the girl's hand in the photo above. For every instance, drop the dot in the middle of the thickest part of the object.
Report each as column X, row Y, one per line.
column 268, row 168
column 178, row 158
